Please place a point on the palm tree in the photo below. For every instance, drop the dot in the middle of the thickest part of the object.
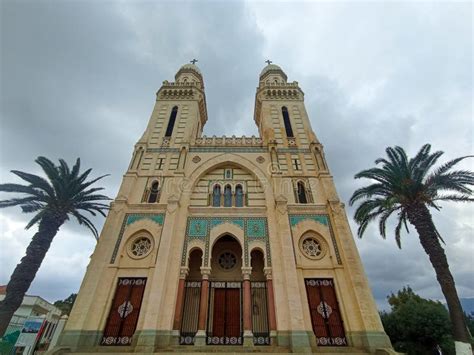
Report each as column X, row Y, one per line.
column 65, row 193
column 409, row 188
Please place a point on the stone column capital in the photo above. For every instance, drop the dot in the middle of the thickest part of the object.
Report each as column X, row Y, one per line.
column 205, row 272
column 268, row 272
column 246, row 271
column 183, row 272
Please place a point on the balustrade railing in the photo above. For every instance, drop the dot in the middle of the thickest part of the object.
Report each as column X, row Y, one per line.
column 229, row 141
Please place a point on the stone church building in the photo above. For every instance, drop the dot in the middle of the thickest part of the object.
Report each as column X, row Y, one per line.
column 234, row 243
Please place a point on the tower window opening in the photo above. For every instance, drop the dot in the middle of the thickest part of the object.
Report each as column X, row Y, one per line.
column 296, row 164
column 239, row 196
column 154, row 191
column 159, row 164
column 301, row 192
column 216, row 196
column 169, row 129
column 286, row 121
column 227, row 196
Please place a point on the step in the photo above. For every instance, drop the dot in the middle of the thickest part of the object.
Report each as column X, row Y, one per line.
column 239, row 350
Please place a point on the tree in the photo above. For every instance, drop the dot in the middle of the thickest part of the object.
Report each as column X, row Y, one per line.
column 416, row 325
column 66, row 305
column 54, row 200
column 409, row 188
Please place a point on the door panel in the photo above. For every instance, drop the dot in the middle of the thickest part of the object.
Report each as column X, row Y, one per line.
column 324, row 310
column 218, row 324
column 123, row 315
column 232, row 315
column 225, row 317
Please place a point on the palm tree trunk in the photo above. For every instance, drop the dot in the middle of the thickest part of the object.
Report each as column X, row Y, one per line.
column 25, row 271
column 420, row 217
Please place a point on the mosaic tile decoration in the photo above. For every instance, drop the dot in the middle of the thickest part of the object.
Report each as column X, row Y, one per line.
column 319, row 218
column 157, row 218
column 130, row 218
column 293, row 150
column 227, row 149
column 200, row 227
column 256, row 228
column 297, row 218
column 162, row 150
column 239, row 222
column 197, row 228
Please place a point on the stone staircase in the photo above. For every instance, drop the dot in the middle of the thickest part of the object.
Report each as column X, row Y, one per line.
column 238, row 350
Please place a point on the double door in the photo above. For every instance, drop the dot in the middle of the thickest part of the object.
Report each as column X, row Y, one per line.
column 225, row 313
column 325, row 315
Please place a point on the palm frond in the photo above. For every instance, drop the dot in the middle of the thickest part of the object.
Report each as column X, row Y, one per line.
column 402, row 221
column 35, row 181
column 82, row 220
column 16, row 201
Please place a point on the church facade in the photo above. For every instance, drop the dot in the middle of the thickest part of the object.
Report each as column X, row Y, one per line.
column 226, row 241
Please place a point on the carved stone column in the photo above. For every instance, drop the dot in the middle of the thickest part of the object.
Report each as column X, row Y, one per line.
column 248, row 335
column 178, row 314
column 270, row 301
column 203, row 307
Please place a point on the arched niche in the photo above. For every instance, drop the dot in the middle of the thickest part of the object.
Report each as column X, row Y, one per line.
column 226, row 259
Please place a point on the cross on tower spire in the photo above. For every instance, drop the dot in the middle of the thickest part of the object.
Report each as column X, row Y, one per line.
column 194, row 61
column 268, row 61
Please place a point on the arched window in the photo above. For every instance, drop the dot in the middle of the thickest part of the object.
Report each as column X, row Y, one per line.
column 155, row 189
column 239, row 196
column 227, row 196
column 169, row 129
column 286, row 121
column 301, row 192
column 216, row 196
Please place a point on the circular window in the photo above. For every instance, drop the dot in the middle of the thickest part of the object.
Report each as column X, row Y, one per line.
column 227, row 260
column 140, row 247
column 312, row 247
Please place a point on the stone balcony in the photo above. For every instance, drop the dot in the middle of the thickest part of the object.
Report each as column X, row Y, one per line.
column 229, row 141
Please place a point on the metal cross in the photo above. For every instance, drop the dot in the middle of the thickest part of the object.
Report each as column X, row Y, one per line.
column 268, row 61
column 194, row 61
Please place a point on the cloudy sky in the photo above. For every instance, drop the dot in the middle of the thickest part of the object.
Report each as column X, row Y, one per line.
column 78, row 79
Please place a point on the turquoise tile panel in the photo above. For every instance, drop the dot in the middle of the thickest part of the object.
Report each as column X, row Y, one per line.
column 239, row 222
column 256, row 228
column 297, row 218
column 197, row 228
column 157, row 218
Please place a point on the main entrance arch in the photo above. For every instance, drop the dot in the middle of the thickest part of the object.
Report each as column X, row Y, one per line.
column 225, row 318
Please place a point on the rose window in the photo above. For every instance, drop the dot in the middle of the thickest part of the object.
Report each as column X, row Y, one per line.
column 141, row 246
column 227, row 260
column 312, row 248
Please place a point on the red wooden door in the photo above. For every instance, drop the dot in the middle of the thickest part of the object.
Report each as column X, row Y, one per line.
column 123, row 315
column 218, row 324
column 325, row 315
column 232, row 314
column 226, row 316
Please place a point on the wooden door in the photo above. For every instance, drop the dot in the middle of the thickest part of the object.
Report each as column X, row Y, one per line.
column 324, row 310
column 123, row 315
column 225, row 318
column 232, row 314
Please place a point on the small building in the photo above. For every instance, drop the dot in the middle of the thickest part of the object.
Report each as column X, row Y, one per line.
column 31, row 307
